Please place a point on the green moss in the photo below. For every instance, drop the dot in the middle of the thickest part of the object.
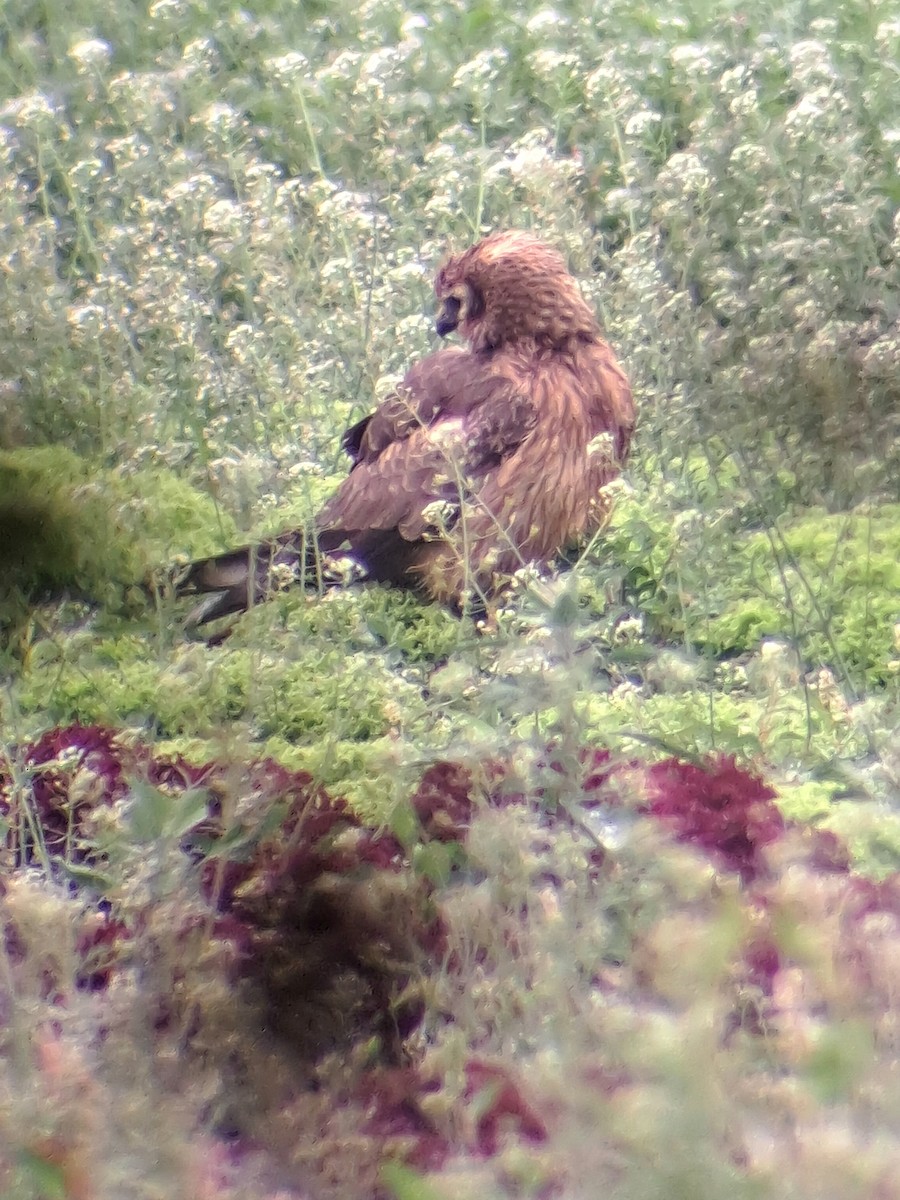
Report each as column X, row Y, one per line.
column 68, row 525
column 750, row 726
column 830, row 580
column 808, row 800
column 380, row 620
column 410, row 629
column 53, row 532
column 325, row 693
column 374, row 776
column 170, row 517
column 276, row 685
column 827, row 582
column 872, row 832
column 119, row 679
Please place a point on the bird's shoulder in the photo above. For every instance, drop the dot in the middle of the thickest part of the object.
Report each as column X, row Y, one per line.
column 452, row 384
column 607, row 392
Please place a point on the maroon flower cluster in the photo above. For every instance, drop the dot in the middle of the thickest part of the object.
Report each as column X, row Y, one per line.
column 333, row 929
column 47, row 770
column 721, row 809
column 725, row 811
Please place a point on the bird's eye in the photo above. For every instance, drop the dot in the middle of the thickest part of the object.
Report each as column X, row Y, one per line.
column 474, row 305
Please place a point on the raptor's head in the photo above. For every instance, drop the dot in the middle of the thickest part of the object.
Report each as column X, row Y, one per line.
column 511, row 287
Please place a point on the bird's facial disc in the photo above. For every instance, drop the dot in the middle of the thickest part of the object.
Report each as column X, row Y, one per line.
column 459, row 308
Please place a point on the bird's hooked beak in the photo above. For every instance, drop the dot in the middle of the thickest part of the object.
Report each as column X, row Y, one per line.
column 448, row 317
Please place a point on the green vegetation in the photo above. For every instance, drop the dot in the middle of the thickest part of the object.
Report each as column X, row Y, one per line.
column 218, row 227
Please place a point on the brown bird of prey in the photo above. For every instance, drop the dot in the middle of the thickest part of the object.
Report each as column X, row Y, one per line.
column 487, row 457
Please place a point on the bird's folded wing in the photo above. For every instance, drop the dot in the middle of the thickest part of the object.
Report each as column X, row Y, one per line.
column 461, row 420
column 423, row 392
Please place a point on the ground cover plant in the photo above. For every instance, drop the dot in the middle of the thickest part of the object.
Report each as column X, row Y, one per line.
column 641, row 840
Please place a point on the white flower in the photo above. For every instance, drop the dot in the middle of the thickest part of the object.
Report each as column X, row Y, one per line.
column 413, row 22
column 544, row 20
column 163, row 9
column 223, row 216
column 629, row 630
column 806, row 112
column 685, row 175
column 547, row 63
column 811, row 62
column 626, row 690
column 220, row 116
column 601, row 446
column 480, row 70
column 281, row 576
column 749, row 158
column 735, row 80
column 379, row 64
column 440, row 514
column 201, row 54
column 34, row 108
column 91, row 54
column 692, row 57
column 85, row 318
column 888, row 34
column 345, row 66
column 641, row 122
column 411, row 271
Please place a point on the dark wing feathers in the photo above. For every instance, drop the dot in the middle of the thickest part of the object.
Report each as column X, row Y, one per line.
column 497, row 429
column 424, row 391
column 451, row 420
column 352, row 440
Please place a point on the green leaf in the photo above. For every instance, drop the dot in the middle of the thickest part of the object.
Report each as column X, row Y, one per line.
column 436, row 860
column 46, row 1178
column 87, row 877
column 565, row 611
column 406, row 1184
column 843, row 1053
column 404, row 824
column 186, row 811
column 148, row 812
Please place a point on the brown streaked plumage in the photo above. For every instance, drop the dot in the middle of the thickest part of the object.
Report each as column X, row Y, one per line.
column 486, row 458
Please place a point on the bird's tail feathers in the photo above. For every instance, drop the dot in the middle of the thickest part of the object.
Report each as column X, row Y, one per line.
column 236, row 580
